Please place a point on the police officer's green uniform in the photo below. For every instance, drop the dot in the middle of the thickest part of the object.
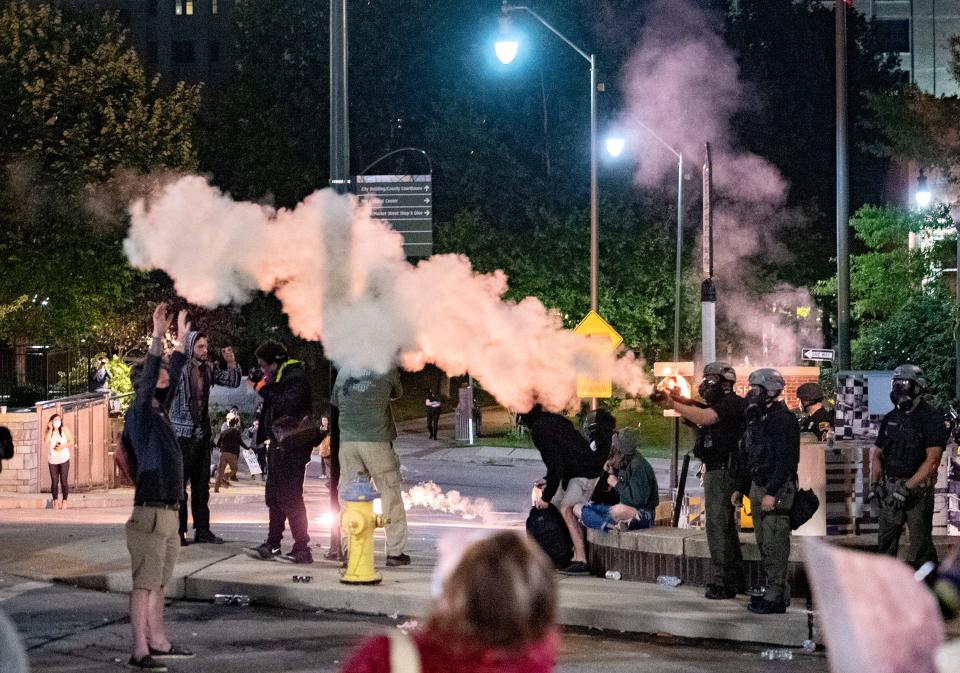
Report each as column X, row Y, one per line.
column 905, row 435
column 772, row 453
column 716, row 446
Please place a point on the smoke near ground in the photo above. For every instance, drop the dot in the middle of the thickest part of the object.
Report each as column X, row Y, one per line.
column 683, row 82
column 343, row 280
column 430, row 496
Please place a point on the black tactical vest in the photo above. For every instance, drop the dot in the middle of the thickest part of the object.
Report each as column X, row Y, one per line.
column 903, row 447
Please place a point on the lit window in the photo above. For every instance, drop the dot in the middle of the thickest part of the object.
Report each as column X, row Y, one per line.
column 189, row 7
column 214, row 7
column 178, row 7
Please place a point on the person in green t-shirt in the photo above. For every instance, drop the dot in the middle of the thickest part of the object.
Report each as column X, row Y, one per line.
column 367, row 431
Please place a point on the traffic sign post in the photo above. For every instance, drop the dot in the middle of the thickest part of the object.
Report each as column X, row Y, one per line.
column 406, row 202
column 608, row 339
column 817, row 354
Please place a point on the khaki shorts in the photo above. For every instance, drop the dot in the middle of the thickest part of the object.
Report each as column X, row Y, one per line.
column 577, row 492
column 153, row 541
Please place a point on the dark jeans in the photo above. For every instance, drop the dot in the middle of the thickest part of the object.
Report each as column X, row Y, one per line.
column 60, row 475
column 284, row 496
column 433, row 423
column 196, row 474
column 262, row 459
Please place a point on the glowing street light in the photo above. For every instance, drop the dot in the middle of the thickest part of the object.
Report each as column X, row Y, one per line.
column 923, row 190
column 615, row 145
column 506, row 50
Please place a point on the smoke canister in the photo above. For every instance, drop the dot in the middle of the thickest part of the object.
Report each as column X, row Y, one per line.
column 612, row 574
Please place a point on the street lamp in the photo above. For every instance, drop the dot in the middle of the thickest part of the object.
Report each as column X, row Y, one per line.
column 506, row 50
column 676, row 284
column 923, row 190
column 615, row 145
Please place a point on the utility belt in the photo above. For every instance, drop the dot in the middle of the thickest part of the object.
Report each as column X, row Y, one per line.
column 158, row 504
column 713, row 467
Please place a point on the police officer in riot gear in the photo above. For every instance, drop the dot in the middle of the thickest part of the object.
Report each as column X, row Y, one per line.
column 816, row 419
column 719, row 425
column 903, row 471
column 771, row 453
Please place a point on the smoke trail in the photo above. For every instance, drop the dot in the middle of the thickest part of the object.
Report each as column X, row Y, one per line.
column 431, row 496
column 343, row 279
column 684, row 83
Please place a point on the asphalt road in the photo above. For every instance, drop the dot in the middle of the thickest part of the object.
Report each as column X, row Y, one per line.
column 68, row 630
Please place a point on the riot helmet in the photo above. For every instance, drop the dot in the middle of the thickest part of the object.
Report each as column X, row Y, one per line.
column 907, row 387
column 809, row 394
column 766, row 385
column 718, row 380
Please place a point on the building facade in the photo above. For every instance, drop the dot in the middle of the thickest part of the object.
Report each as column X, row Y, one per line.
column 919, row 31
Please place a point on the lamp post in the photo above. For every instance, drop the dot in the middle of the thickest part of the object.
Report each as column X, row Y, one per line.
column 676, row 284
column 506, row 50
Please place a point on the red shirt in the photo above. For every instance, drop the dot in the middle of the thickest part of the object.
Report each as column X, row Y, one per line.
column 437, row 656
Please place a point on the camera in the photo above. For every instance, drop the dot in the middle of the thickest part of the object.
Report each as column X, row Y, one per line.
column 255, row 375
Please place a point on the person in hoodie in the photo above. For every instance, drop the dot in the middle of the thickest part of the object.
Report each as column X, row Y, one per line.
column 152, row 540
column 190, row 415
column 573, row 470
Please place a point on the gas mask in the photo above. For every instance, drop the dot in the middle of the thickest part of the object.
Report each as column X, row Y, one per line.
column 711, row 389
column 757, row 402
column 905, row 394
column 57, row 423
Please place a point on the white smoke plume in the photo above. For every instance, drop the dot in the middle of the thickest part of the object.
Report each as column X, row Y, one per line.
column 683, row 82
column 430, row 496
column 343, row 279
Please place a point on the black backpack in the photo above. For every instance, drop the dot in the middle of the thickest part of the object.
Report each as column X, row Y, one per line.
column 549, row 530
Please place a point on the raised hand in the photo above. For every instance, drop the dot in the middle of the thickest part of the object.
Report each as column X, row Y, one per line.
column 183, row 329
column 161, row 320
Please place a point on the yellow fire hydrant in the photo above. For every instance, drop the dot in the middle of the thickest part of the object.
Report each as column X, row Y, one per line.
column 359, row 520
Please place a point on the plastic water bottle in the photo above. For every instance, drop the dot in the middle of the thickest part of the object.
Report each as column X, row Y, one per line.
column 777, row 655
column 669, row 581
column 612, row 574
column 241, row 600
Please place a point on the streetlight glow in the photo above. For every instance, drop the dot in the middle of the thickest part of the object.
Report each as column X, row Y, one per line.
column 615, row 145
column 506, row 50
column 923, row 191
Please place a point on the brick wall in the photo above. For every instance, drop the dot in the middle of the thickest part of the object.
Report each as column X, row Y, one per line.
column 793, row 376
column 21, row 473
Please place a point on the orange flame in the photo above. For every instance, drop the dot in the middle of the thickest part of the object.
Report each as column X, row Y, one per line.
column 674, row 385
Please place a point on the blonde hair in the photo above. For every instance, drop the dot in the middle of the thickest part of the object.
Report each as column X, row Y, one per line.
column 502, row 595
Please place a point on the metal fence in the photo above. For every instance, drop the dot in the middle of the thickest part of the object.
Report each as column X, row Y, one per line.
column 46, row 374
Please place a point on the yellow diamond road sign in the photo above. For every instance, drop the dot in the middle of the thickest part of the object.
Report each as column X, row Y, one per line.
column 598, row 329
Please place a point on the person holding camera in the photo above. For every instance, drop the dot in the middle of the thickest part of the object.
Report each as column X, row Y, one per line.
column 903, row 470
column 156, row 462
column 282, row 383
column 719, row 425
column 190, row 415
column 58, row 439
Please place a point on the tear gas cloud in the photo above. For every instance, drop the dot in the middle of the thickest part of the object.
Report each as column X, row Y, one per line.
column 343, row 279
column 683, row 82
column 430, row 496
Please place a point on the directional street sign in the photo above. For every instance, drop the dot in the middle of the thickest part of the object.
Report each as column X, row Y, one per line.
column 818, row 354
column 597, row 329
column 406, row 202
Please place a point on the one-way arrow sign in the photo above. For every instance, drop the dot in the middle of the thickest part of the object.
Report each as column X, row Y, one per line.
column 816, row 354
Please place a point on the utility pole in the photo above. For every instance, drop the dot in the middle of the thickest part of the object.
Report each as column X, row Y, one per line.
column 843, row 198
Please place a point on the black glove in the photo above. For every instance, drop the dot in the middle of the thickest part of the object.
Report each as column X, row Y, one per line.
column 898, row 499
column 875, row 493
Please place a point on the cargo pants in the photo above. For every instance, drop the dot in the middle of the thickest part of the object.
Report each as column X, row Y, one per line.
column 722, row 537
column 918, row 516
column 380, row 461
column 773, row 538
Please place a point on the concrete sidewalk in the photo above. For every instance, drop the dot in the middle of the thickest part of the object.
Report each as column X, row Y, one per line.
column 239, row 492
column 203, row 571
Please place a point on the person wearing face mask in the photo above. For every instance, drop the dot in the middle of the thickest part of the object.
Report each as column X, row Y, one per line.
column 719, row 425
column 152, row 530
column 816, row 419
column 770, row 454
column 904, row 466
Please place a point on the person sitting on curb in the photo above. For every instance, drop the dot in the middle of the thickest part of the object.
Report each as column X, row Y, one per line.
column 633, row 478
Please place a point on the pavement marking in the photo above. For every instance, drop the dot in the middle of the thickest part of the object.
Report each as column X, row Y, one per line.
column 7, row 593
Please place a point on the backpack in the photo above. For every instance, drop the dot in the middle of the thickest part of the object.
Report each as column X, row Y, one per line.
column 549, row 530
column 126, row 460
